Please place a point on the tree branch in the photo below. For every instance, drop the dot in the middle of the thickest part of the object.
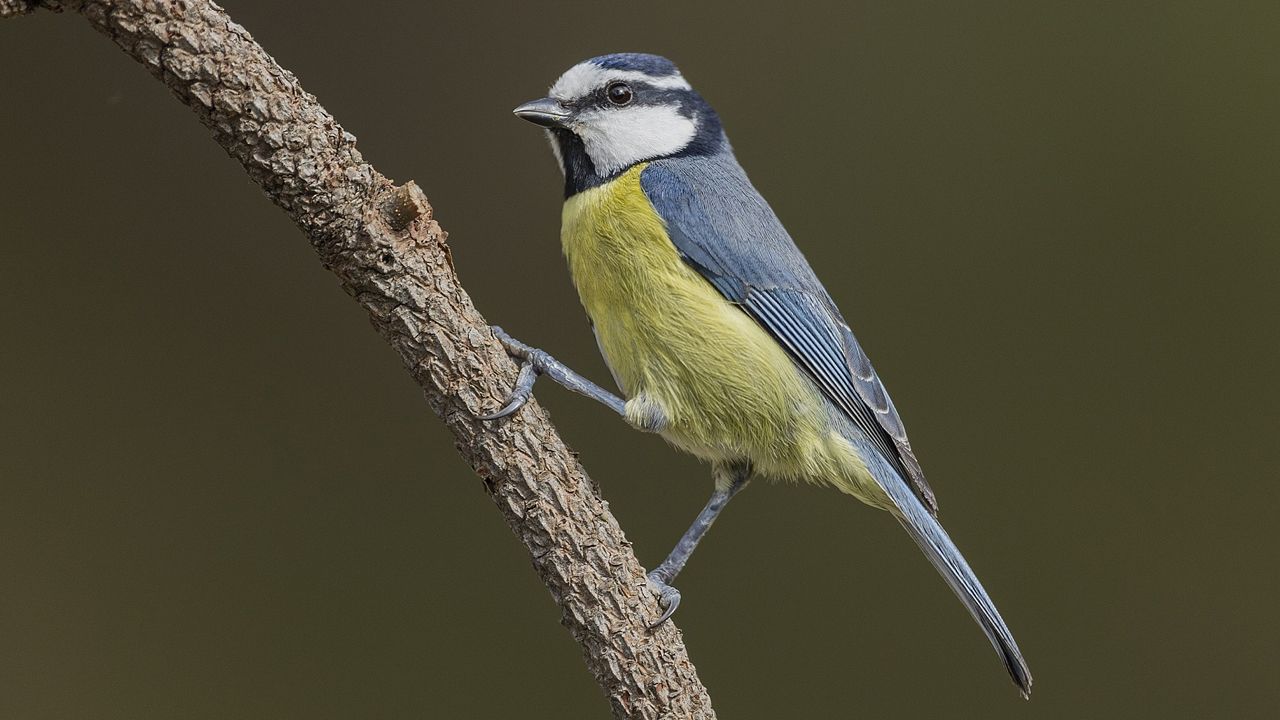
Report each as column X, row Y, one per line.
column 390, row 254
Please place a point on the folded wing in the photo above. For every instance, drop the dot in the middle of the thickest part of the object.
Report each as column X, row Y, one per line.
column 727, row 232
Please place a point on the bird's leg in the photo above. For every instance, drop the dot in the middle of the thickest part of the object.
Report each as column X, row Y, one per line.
column 535, row 362
column 660, row 577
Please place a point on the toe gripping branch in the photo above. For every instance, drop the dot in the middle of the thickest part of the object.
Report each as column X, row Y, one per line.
column 520, row 394
column 535, row 362
column 668, row 596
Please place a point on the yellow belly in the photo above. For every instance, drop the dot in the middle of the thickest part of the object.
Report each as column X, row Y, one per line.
column 728, row 390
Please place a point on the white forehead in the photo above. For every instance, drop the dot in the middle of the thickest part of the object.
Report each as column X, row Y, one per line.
column 586, row 77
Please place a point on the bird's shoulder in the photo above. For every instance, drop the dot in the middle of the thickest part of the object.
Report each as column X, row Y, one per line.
column 722, row 223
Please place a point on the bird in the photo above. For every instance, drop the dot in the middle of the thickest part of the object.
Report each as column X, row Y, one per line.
column 715, row 328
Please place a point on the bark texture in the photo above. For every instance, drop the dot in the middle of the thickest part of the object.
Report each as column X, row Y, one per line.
column 390, row 255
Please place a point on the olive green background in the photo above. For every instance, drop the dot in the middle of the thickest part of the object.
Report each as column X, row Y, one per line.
column 1053, row 226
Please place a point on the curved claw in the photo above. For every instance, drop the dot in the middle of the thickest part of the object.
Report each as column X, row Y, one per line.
column 513, row 405
column 520, row 394
column 668, row 599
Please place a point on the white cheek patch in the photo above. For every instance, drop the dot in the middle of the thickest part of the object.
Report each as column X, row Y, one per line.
column 585, row 78
column 617, row 138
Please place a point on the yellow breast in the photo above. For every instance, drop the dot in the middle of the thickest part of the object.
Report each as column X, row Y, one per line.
column 729, row 391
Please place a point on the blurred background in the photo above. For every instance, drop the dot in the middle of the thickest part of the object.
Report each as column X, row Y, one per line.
column 1053, row 226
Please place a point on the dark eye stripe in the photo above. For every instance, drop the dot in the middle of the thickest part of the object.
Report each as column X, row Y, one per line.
column 642, row 93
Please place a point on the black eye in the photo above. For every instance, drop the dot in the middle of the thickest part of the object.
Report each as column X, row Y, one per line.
column 619, row 93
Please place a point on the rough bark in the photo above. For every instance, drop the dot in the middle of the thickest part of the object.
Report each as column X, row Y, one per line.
column 390, row 254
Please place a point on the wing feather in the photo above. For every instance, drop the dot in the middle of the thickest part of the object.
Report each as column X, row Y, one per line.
column 725, row 230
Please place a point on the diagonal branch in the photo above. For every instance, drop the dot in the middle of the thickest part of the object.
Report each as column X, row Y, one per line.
column 382, row 243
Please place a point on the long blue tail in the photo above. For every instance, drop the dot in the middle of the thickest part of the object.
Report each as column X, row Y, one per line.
column 944, row 555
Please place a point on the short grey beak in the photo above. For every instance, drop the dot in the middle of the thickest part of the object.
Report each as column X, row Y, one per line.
column 547, row 112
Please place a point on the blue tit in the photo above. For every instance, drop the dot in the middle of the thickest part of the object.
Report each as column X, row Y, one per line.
column 715, row 329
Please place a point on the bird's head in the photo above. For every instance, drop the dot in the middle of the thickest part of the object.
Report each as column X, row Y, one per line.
column 608, row 113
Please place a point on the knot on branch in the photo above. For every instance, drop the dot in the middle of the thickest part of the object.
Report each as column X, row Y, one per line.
column 403, row 205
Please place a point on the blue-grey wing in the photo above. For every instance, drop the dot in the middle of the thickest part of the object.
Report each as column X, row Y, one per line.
column 729, row 234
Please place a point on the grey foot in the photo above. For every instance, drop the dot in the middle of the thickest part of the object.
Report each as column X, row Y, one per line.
column 668, row 598
column 534, row 364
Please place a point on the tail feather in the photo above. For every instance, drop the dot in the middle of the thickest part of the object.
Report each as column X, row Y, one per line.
column 944, row 555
